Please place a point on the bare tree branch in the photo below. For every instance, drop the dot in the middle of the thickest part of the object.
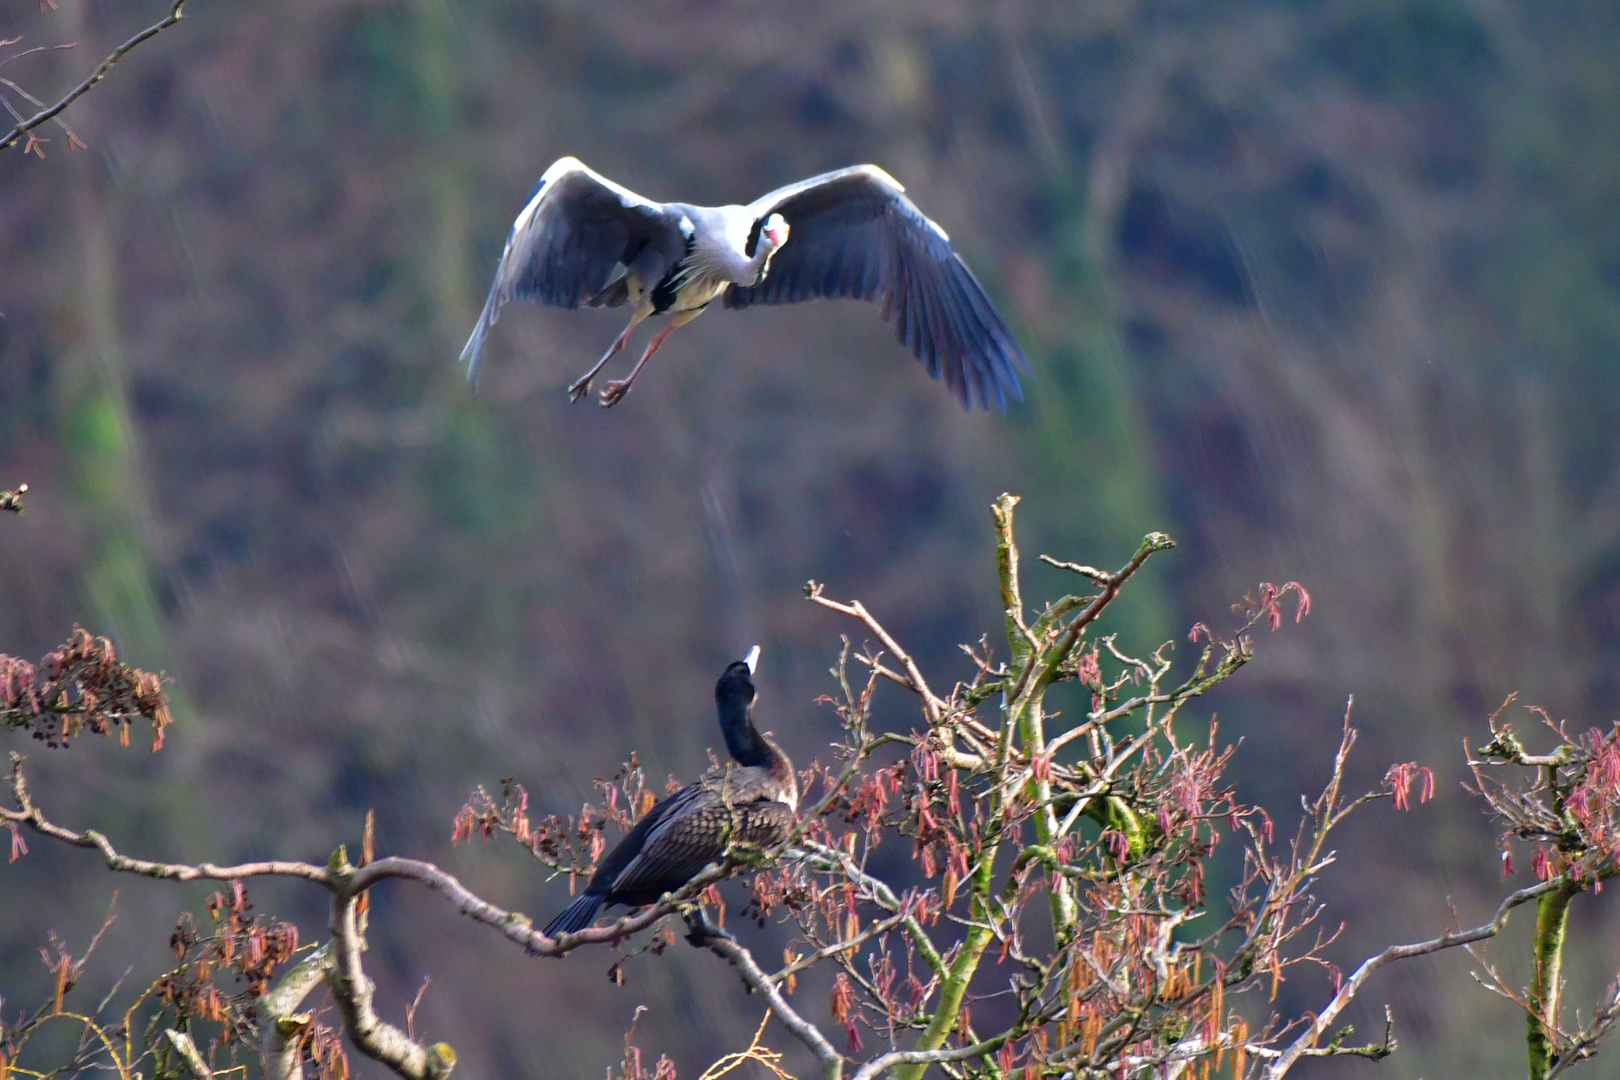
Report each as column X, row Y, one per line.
column 23, row 127
column 932, row 705
column 376, row 1038
column 1451, row 939
column 832, row 1062
column 29, row 814
column 884, row 1062
column 515, row 926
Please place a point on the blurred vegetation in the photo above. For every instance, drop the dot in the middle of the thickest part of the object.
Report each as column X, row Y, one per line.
column 1329, row 290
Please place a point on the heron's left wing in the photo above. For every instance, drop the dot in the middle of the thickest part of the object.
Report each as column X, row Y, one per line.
column 854, row 233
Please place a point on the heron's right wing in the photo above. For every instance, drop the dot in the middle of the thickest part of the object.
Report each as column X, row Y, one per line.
column 854, row 233
column 577, row 229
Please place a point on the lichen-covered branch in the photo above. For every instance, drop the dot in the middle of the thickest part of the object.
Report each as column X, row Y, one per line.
column 281, row 1027
column 353, row 989
column 1546, row 978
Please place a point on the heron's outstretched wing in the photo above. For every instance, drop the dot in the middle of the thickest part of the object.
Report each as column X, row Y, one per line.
column 577, row 229
column 853, row 233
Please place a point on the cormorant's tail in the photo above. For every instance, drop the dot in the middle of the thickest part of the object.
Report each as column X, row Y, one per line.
column 577, row 916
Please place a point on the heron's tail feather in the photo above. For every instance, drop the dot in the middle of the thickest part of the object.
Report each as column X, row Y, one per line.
column 475, row 344
column 577, row 916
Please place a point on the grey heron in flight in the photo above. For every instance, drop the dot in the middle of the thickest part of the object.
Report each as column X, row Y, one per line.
column 584, row 241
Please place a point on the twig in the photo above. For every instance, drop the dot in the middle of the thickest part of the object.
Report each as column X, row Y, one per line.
column 1584, row 1044
column 933, row 707
column 832, row 1062
column 410, row 1010
column 1448, row 940
column 1059, row 652
column 1101, row 577
column 755, row 1051
column 878, row 928
column 45, row 115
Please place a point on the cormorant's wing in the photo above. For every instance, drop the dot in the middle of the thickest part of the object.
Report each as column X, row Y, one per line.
column 854, row 233
column 625, row 851
column 576, row 230
column 675, row 850
column 690, row 837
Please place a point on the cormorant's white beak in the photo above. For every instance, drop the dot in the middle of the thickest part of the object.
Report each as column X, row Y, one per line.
column 752, row 659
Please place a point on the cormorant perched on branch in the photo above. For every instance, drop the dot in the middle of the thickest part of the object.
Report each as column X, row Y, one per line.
column 751, row 804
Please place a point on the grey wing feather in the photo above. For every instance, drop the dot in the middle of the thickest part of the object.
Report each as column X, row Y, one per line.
column 854, row 233
column 577, row 231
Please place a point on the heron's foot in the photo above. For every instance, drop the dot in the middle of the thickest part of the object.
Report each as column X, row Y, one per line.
column 613, row 391
column 579, row 388
column 700, row 931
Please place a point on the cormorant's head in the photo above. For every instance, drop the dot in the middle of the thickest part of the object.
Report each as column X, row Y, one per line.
column 736, row 686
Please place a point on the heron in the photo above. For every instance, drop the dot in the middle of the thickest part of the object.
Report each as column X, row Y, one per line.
column 584, row 241
column 752, row 802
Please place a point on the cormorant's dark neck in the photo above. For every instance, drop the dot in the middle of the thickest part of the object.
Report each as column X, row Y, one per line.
column 743, row 740
column 734, row 698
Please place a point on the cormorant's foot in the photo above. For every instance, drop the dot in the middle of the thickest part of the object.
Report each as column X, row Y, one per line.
column 579, row 388
column 613, row 391
column 700, row 931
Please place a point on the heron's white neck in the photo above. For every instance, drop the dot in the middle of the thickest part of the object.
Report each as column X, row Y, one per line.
column 719, row 251
column 761, row 261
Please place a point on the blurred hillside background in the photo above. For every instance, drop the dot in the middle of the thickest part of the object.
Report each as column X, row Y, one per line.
column 1329, row 291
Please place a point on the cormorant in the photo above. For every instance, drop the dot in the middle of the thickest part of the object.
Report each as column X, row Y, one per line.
column 752, row 802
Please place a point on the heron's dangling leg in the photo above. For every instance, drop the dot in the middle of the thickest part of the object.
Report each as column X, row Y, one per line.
column 617, row 388
column 582, row 385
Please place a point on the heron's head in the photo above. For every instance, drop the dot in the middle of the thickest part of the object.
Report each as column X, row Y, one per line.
column 774, row 232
